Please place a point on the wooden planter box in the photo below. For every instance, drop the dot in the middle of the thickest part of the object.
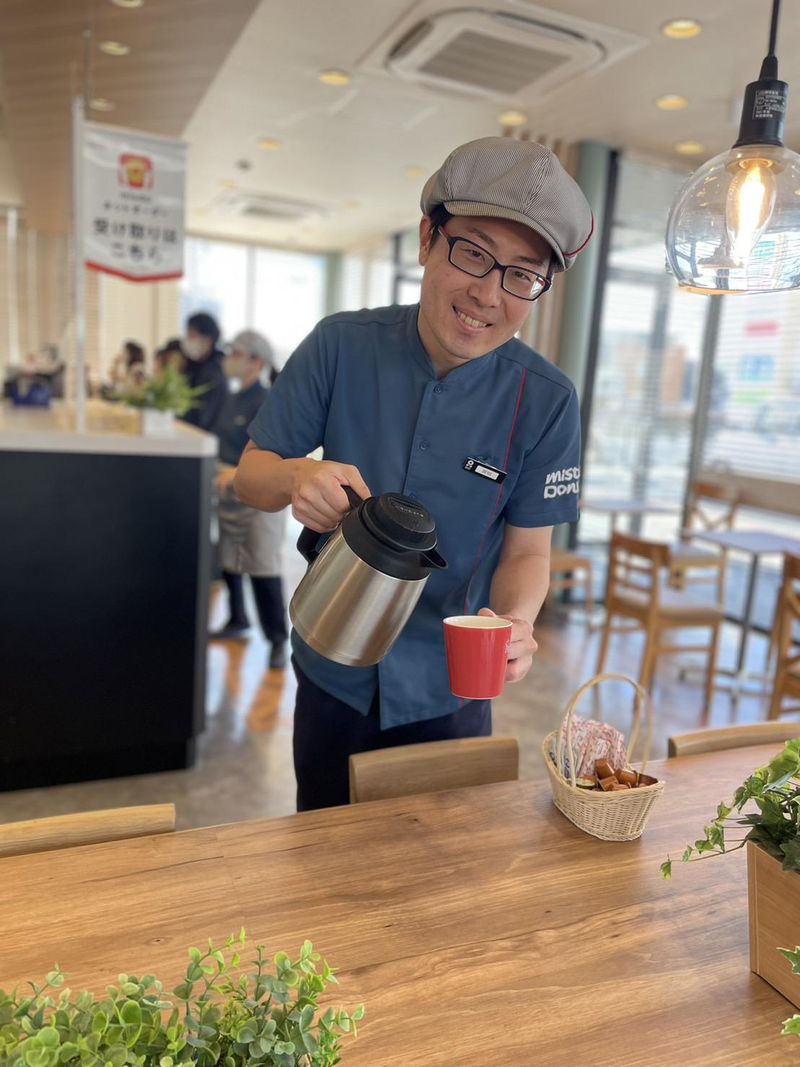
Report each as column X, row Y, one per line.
column 774, row 910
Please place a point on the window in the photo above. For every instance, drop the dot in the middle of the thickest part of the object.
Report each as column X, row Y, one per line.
column 289, row 297
column 215, row 280
column 281, row 294
column 648, row 363
column 753, row 421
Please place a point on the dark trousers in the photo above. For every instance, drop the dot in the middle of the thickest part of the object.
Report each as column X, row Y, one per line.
column 268, row 594
column 327, row 732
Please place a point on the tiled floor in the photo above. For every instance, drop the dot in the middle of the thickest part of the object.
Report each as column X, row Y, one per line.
column 244, row 768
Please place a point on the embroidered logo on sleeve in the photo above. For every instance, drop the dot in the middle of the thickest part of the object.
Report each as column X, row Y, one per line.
column 561, row 482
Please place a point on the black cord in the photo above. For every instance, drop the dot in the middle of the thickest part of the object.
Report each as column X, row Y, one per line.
column 773, row 29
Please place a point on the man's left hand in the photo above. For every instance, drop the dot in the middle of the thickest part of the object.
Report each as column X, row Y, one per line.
column 225, row 481
column 521, row 648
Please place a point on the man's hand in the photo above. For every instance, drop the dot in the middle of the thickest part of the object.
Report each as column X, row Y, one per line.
column 225, row 481
column 318, row 499
column 521, row 648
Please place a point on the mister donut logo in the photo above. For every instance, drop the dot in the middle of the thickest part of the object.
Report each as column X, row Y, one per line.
column 134, row 171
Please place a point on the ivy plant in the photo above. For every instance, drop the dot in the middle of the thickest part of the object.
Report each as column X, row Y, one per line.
column 774, row 824
column 223, row 1012
column 792, row 1026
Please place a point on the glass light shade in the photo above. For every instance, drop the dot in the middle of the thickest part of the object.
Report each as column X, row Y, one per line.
column 735, row 225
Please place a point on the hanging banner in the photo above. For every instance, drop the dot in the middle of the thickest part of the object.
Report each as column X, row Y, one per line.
column 133, row 203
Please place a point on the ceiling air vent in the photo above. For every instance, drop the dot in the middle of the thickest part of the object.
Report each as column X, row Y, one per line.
column 501, row 54
column 266, row 208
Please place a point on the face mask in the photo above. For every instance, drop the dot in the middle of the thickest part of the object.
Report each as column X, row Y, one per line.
column 235, row 367
column 195, row 348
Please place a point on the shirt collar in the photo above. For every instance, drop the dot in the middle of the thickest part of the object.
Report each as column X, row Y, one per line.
column 467, row 372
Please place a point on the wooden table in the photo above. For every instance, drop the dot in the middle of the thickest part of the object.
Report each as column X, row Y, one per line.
column 614, row 506
column 755, row 543
column 479, row 926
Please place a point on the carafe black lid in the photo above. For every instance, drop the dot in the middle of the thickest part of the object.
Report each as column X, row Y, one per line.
column 400, row 522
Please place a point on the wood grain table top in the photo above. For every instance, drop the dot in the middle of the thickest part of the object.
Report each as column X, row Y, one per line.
column 479, row 926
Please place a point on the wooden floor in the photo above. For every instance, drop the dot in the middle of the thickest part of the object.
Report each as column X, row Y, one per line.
column 244, row 769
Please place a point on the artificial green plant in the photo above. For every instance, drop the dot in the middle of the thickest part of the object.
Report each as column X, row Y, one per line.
column 223, row 1012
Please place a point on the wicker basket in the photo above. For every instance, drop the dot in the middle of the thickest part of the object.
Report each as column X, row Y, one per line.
column 612, row 816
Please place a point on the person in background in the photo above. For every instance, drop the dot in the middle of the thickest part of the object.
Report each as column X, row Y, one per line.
column 170, row 354
column 442, row 402
column 128, row 368
column 204, row 367
column 250, row 541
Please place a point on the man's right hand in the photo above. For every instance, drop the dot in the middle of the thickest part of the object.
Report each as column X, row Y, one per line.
column 318, row 499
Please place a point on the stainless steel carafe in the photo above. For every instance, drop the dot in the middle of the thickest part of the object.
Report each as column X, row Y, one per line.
column 365, row 578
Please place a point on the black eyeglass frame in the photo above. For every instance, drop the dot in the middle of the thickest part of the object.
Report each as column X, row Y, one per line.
column 496, row 265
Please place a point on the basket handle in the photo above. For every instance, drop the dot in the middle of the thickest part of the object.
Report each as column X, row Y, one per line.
column 642, row 700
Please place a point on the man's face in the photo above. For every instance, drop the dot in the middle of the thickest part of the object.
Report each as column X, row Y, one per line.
column 461, row 317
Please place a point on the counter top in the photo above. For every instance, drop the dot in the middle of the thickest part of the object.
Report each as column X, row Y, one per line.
column 111, row 429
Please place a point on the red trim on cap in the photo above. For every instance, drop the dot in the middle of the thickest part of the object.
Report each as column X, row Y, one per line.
column 580, row 248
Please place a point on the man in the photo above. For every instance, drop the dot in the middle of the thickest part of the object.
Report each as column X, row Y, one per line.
column 250, row 542
column 441, row 402
column 204, row 367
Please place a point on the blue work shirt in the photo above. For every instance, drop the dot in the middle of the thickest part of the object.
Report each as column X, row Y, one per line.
column 362, row 386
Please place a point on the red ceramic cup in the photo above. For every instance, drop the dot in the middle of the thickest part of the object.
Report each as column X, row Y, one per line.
column 477, row 655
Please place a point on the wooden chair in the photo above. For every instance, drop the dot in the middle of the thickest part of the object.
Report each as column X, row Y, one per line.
column 570, row 570
column 787, row 640
column 432, row 767
column 711, row 507
column 85, row 828
column 635, row 593
column 756, row 733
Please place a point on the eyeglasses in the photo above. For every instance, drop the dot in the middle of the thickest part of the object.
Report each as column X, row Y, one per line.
column 474, row 260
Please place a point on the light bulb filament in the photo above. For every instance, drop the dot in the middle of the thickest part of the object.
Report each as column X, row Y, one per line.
column 751, row 199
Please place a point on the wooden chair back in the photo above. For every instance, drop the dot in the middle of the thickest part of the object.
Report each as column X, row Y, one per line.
column 85, row 828
column 757, row 733
column 571, row 570
column 711, row 506
column 432, row 767
column 786, row 637
column 634, row 570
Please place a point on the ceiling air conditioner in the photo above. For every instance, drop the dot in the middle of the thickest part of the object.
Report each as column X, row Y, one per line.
column 500, row 54
column 262, row 206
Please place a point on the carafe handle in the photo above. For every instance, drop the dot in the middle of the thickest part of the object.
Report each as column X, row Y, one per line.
column 310, row 543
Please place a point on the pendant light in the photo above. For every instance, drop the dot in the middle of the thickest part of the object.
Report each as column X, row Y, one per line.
column 735, row 226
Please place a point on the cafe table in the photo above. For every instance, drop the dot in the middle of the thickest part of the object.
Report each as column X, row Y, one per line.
column 479, row 927
column 755, row 544
column 633, row 508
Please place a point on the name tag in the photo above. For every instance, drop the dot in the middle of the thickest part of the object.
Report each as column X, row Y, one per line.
column 485, row 470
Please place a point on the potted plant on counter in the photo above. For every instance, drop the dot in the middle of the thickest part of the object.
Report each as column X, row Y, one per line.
column 216, row 1015
column 771, row 832
column 161, row 398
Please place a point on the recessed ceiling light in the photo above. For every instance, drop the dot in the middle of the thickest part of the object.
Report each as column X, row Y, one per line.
column 414, row 172
column 99, row 103
column 114, row 48
column 689, row 148
column 128, row 3
column 681, row 29
column 269, row 144
column 672, row 102
column 334, row 77
column 512, row 118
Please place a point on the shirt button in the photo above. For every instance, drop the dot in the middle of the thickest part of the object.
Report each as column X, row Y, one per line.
column 438, row 388
column 423, row 445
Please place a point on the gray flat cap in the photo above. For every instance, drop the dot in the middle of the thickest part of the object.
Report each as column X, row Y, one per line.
column 498, row 177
